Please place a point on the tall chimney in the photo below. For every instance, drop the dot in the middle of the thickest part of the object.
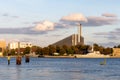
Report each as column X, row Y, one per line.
column 79, row 33
column 18, row 48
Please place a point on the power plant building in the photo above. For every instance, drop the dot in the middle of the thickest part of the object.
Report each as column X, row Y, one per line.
column 75, row 39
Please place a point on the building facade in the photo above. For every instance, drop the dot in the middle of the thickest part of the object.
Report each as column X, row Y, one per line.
column 116, row 51
column 75, row 40
column 2, row 47
column 15, row 45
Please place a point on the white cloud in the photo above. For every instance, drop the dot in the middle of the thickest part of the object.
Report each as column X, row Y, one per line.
column 74, row 17
column 44, row 26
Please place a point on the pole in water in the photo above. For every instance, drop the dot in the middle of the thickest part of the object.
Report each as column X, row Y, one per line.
column 18, row 60
column 27, row 58
column 8, row 59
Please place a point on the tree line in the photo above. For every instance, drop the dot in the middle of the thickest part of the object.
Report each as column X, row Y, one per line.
column 62, row 50
column 117, row 46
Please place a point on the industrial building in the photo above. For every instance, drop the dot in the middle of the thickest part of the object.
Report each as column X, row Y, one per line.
column 72, row 40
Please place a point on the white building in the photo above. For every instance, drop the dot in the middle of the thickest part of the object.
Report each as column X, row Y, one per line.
column 14, row 45
column 25, row 44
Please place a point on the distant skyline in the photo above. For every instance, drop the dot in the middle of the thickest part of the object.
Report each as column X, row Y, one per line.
column 44, row 22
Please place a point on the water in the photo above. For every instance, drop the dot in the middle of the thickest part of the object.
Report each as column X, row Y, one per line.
column 60, row 69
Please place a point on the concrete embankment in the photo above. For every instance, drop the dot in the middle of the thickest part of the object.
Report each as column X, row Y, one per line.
column 59, row 56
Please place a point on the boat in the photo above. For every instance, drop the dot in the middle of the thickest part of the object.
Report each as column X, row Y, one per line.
column 103, row 63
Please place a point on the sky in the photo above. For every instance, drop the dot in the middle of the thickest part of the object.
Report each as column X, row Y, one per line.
column 44, row 22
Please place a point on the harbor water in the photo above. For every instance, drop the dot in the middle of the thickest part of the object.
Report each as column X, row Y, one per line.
column 60, row 69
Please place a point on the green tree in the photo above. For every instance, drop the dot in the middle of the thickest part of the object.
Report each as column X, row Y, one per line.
column 51, row 49
column 65, row 47
column 76, row 51
column 96, row 47
column 12, row 52
column 70, row 51
column 39, row 51
column 85, row 49
column 62, row 51
column 5, row 53
column 27, row 50
column 58, row 49
column 82, row 49
column 72, row 48
column 45, row 51
column 101, row 49
column 118, row 46
column 107, row 51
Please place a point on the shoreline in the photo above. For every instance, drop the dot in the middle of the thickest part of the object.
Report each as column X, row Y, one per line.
column 80, row 57
column 68, row 57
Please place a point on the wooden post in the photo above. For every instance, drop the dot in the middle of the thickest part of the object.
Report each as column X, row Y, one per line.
column 18, row 58
column 8, row 59
column 27, row 59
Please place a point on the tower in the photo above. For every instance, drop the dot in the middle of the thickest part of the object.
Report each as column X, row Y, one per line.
column 79, row 33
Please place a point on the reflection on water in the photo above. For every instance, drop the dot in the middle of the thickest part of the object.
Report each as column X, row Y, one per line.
column 60, row 69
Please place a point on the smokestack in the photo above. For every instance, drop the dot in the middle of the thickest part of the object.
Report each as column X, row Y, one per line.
column 18, row 48
column 79, row 33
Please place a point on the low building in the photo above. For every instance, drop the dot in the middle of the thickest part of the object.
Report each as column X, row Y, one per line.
column 116, row 51
column 1, row 52
column 2, row 47
column 25, row 44
column 15, row 45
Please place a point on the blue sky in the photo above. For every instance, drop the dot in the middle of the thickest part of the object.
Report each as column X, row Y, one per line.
column 44, row 22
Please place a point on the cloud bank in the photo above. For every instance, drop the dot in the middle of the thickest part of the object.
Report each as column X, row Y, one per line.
column 112, row 35
column 100, row 21
column 109, row 15
column 27, row 31
column 94, row 21
column 8, row 15
column 67, row 21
